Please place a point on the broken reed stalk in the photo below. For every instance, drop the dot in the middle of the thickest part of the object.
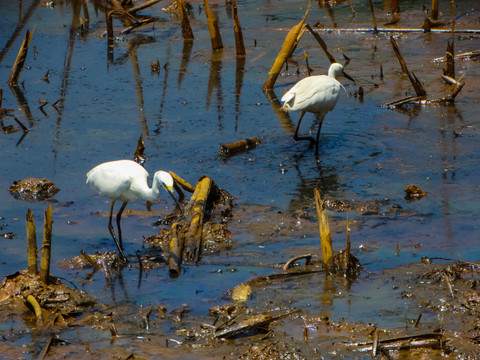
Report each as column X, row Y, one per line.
column 434, row 14
column 183, row 183
column 20, row 60
column 325, row 236
column 109, row 21
column 417, row 85
column 47, row 246
column 239, row 45
column 373, row 17
column 395, row 6
column 322, row 44
column 309, row 71
column 194, row 233
column 36, row 307
column 31, row 243
column 213, row 29
column 450, row 70
column 143, row 6
column 176, row 251
column 289, row 44
column 187, row 31
column 86, row 14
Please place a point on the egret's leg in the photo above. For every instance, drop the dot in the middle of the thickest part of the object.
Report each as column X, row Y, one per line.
column 110, row 227
column 120, row 242
column 320, row 118
column 296, row 137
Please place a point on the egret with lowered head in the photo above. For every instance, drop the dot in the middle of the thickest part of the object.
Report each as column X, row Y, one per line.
column 125, row 180
column 316, row 94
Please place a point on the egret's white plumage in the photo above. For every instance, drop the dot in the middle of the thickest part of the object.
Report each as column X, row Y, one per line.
column 125, row 180
column 316, row 94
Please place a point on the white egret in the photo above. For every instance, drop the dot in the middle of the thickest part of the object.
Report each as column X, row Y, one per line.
column 316, row 94
column 125, row 180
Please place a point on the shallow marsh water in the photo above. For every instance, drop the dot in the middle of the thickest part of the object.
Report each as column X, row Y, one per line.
column 200, row 100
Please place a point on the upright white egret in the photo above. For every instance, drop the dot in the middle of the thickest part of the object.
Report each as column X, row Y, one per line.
column 316, row 94
column 126, row 180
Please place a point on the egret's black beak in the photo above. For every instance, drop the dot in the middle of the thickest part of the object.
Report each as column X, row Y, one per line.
column 348, row 76
column 172, row 194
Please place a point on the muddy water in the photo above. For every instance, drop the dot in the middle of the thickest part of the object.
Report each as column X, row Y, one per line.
column 199, row 100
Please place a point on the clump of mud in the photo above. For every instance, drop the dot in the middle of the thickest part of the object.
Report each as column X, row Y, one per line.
column 57, row 301
column 33, row 189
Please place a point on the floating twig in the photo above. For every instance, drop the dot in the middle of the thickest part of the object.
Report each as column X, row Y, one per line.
column 290, row 263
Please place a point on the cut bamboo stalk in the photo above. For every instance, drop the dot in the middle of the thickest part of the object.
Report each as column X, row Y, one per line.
column 374, row 20
column 47, row 246
column 227, row 150
column 239, row 45
column 213, row 29
column 325, row 236
column 322, row 44
column 289, row 44
column 194, row 233
column 434, row 14
column 176, row 251
column 20, row 60
column 187, row 31
column 31, row 243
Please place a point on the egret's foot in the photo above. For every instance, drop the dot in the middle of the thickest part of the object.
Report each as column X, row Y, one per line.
column 303, row 138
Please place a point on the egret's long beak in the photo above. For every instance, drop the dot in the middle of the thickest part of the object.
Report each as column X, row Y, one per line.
column 172, row 194
column 348, row 76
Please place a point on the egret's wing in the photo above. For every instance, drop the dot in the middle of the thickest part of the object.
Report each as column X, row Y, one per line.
column 108, row 181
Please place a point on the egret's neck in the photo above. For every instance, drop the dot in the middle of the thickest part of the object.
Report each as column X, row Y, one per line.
column 153, row 193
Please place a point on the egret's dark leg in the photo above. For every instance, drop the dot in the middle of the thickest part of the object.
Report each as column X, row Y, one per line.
column 320, row 118
column 296, row 137
column 112, row 232
column 120, row 242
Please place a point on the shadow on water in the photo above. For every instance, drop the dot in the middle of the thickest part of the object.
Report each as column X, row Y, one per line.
column 186, row 100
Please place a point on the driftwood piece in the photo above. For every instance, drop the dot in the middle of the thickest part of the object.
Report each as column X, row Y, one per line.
column 194, row 233
column 429, row 341
column 235, row 148
column 291, row 262
column 250, row 325
column 31, row 243
column 325, row 236
column 20, row 60
column 291, row 41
